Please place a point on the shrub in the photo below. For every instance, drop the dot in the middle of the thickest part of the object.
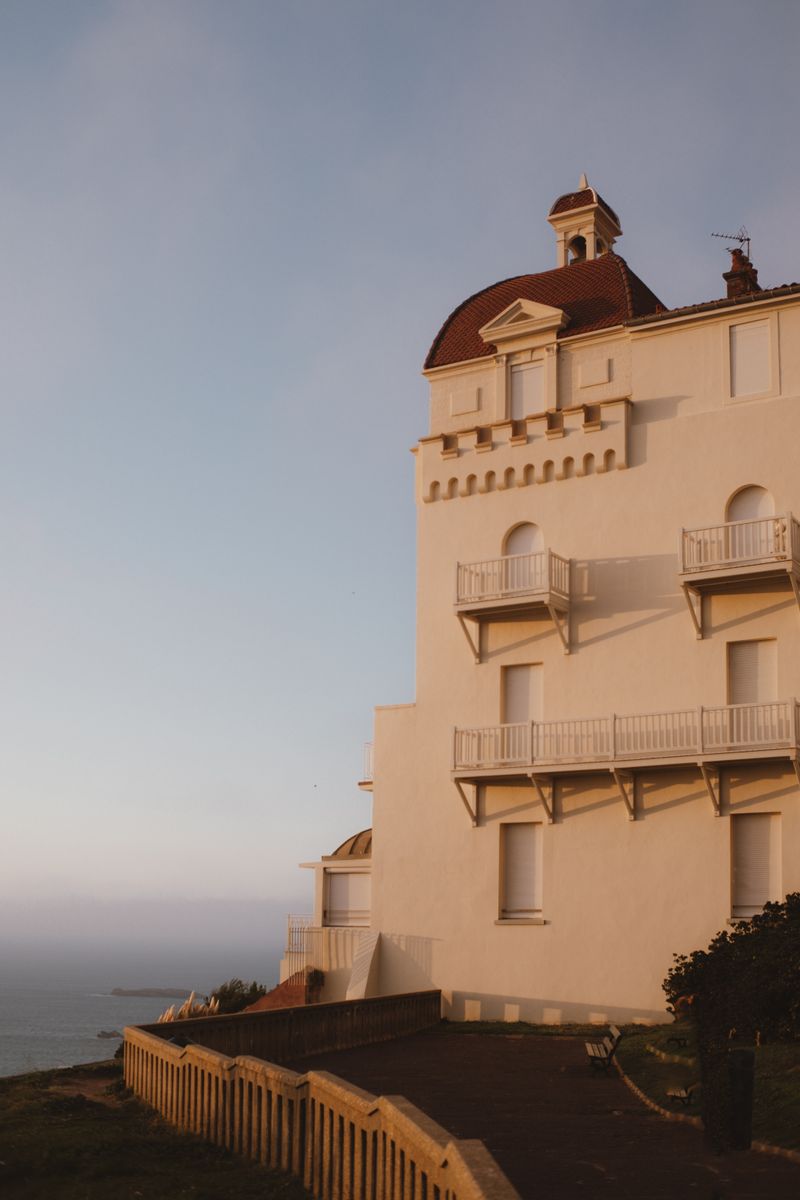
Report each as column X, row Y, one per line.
column 748, row 980
column 235, row 995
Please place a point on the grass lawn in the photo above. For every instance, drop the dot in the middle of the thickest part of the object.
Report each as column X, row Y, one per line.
column 76, row 1134
column 776, row 1102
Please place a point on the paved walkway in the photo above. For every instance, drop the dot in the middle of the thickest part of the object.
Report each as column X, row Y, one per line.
column 556, row 1130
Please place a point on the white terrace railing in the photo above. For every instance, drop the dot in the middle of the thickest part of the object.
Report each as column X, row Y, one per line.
column 515, row 575
column 324, row 947
column 741, row 544
column 728, row 729
column 369, row 761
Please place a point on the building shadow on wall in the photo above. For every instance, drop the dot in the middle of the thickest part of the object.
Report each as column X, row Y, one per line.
column 608, row 587
column 406, row 962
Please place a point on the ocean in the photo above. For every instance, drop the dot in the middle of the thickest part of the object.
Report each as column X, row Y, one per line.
column 52, row 1006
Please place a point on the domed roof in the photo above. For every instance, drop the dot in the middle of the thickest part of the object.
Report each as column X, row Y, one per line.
column 357, row 846
column 581, row 199
column 595, row 294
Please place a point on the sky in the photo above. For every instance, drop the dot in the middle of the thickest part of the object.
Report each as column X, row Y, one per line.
column 229, row 231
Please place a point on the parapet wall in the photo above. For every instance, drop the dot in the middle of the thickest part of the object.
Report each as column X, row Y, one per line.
column 289, row 1033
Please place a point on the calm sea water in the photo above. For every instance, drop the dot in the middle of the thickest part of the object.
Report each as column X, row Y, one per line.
column 52, row 1008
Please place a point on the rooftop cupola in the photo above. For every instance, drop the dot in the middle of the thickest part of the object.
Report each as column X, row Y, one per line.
column 585, row 225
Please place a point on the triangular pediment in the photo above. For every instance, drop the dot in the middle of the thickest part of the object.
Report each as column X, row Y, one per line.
column 521, row 318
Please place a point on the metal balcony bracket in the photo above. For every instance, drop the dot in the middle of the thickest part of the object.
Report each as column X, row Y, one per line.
column 473, row 812
column 475, row 646
column 711, row 780
column 546, row 791
column 561, row 622
column 626, row 784
column 796, row 765
column 694, row 602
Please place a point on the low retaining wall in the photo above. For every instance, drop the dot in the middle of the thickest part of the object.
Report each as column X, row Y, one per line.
column 288, row 1033
column 342, row 1142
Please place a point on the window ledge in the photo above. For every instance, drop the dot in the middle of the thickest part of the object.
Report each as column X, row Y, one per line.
column 520, row 921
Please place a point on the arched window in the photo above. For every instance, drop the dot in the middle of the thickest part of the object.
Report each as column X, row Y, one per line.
column 750, row 503
column 577, row 249
column 524, row 539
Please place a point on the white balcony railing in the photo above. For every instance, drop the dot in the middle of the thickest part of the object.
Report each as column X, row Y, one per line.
column 369, row 762
column 326, row 948
column 729, row 729
column 515, row 575
column 740, row 544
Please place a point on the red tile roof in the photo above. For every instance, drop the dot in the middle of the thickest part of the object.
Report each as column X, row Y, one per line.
column 595, row 294
column 581, row 199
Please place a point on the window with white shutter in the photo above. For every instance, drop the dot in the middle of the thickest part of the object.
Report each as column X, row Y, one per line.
column 348, row 898
column 755, row 862
column 750, row 358
column 527, row 390
column 752, row 672
column 523, row 690
column 520, row 870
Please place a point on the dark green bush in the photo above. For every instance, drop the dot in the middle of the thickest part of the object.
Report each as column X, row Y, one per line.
column 748, row 980
column 235, row 995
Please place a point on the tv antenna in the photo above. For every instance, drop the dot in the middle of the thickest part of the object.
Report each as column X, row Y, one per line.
column 742, row 237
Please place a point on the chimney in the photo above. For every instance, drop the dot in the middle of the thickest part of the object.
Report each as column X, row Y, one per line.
column 742, row 279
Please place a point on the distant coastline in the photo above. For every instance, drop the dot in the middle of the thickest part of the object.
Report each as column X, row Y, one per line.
column 160, row 993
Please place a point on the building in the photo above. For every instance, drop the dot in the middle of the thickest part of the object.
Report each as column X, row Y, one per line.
column 601, row 765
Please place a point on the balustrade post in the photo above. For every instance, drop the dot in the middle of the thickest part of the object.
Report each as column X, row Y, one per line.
column 794, row 721
column 613, row 736
column 700, row 736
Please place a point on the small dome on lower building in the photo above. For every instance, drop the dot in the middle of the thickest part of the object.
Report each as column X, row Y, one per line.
column 357, row 846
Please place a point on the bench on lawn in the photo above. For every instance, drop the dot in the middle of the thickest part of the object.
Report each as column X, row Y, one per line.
column 682, row 1095
column 601, row 1053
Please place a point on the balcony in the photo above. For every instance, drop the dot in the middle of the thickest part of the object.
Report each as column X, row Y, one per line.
column 736, row 553
column 706, row 737
column 516, row 583
column 365, row 782
column 324, row 948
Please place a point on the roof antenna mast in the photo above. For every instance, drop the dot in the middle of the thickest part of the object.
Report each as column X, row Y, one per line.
column 742, row 237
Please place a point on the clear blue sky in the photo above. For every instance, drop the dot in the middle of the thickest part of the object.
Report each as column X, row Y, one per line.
column 229, row 232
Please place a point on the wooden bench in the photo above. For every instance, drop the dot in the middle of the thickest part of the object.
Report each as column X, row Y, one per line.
column 602, row 1053
column 682, row 1095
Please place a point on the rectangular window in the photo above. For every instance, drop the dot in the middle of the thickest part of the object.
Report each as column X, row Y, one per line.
column 527, row 390
column 755, row 862
column 750, row 358
column 523, row 689
column 752, row 672
column 520, row 871
column 348, row 898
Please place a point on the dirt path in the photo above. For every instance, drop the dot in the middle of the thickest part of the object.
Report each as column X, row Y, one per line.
column 556, row 1130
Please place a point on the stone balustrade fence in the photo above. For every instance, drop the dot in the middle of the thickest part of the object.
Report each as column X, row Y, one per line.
column 344, row 1143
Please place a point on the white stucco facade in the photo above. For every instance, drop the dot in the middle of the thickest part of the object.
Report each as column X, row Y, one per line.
column 633, row 824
